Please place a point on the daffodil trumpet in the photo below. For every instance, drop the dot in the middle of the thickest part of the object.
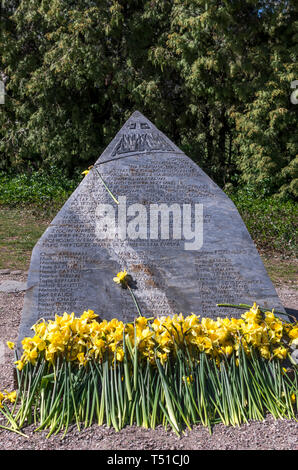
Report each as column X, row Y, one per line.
column 122, row 279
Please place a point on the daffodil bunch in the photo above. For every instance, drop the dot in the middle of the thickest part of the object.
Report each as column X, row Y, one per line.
column 84, row 338
column 65, row 336
column 174, row 370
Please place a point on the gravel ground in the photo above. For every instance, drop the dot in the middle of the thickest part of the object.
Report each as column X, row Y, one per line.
column 269, row 434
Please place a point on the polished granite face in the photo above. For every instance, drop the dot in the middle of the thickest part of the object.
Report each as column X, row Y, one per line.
column 173, row 229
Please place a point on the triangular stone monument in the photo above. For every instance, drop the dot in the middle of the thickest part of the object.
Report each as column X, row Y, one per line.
column 173, row 229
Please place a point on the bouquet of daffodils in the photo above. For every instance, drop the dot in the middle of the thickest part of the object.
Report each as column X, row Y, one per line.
column 172, row 370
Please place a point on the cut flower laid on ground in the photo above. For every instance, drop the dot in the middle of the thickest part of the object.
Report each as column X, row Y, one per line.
column 175, row 371
column 81, row 339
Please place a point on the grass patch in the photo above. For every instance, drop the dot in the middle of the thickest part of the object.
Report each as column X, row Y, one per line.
column 280, row 270
column 19, row 231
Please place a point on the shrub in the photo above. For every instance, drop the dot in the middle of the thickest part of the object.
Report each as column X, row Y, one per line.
column 271, row 222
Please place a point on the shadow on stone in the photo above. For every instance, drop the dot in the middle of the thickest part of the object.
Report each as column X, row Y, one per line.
column 131, row 282
column 292, row 311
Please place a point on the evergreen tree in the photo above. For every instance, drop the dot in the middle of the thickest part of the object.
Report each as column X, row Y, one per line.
column 213, row 75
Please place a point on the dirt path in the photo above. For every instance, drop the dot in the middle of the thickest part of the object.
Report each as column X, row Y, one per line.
column 267, row 435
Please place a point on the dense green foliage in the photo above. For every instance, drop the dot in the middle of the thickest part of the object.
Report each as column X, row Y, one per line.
column 215, row 76
column 38, row 187
column 272, row 224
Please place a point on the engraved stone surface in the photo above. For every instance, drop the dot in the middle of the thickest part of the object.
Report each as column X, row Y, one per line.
column 192, row 254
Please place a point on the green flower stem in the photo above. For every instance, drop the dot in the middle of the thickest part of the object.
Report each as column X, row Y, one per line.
column 105, row 185
column 262, row 309
column 5, row 411
column 135, row 301
column 14, row 430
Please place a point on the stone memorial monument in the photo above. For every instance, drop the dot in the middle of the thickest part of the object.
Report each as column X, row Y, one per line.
column 147, row 208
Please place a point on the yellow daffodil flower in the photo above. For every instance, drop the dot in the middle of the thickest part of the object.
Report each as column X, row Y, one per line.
column 10, row 344
column 81, row 357
column 85, row 172
column 1, row 399
column 121, row 278
column 120, row 354
column 280, row 352
column 187, row 379
column 71, row 337
column 20, row 364
column 227, row 350
column 11, row 396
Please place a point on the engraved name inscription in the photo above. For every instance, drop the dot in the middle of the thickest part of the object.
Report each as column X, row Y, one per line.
column 73, row 268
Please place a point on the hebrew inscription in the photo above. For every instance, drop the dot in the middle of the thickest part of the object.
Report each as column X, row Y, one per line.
column 150, row 142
